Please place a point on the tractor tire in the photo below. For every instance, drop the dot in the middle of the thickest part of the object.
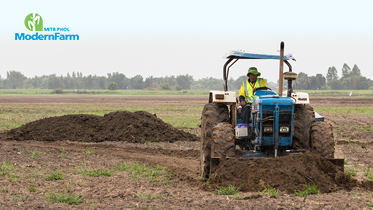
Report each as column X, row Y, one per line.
column 223, row 144
column 304, row 116
column 212, row 114
column 322, row 139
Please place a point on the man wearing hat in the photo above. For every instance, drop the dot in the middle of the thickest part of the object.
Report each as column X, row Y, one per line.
column 247, row 91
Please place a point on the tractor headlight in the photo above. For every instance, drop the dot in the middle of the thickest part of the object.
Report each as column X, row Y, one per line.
column 284, row 129
column 267, row 129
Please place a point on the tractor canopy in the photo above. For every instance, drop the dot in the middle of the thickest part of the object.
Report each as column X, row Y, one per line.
column 244, row 55
column 235, row 55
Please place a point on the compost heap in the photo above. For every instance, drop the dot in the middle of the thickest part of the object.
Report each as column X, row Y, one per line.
column 288, row 173
column 135, row 127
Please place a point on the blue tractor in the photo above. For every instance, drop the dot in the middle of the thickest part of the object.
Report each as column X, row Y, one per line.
column 280, row 124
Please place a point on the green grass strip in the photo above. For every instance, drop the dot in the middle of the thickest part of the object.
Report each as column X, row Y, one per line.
column 230, row 190
column 62, row 197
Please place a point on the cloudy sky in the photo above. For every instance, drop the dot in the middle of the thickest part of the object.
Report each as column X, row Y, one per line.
column 170, row 37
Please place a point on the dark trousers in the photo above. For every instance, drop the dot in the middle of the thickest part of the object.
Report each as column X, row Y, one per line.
column 246, row 114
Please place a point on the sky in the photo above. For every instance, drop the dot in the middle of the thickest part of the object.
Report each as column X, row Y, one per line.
column 169, row 37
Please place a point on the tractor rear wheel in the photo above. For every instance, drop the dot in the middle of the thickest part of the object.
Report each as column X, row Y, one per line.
column 304, row 116
column 322, row 139
column 212, row 114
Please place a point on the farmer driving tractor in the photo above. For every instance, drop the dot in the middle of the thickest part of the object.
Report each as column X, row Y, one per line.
column 247, row 91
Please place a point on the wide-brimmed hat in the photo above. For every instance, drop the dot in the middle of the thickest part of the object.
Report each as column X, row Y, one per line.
column 253, row 70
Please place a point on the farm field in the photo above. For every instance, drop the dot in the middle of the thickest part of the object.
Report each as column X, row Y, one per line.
column 134, row 170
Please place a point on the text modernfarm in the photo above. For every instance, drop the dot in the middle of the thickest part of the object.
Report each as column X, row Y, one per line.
column 55, row 36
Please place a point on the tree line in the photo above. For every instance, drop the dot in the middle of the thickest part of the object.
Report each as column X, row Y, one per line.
column 351, row 79
column 115, row 80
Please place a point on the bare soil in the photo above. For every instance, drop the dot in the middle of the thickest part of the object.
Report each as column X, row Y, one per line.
column 62, row 142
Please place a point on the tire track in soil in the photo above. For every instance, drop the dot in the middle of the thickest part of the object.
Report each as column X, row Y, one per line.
column 183, row 163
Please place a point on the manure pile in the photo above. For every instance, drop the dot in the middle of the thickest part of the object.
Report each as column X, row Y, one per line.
column 135, row 127
column 287, row 174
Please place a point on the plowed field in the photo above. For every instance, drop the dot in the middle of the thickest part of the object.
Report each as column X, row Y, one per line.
column 134, row 160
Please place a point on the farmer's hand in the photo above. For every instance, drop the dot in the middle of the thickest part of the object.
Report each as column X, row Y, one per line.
column 243, row 103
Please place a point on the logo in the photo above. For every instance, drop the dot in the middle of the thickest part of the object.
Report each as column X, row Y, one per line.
column 34, row 22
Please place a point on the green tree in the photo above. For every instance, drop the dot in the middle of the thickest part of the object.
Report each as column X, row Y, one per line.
column 349, row 83
column 101, row 81
column 54, row 83
column 314, row 83
column 346, row 71
column 119, row 78
column 185, row 81
column 302, row 82
column 165, row 86
column 87, row 82
column 171, row 80
column 208, row 83
column 178, row 88
column 363, row 83
column 238, row 82
column 150, row 82
column 355, row 71
column 332, row 74
column 112, row 86
column 137, row 82
column 27, row 83
column 68, row 82
column 14, row 79
column 356, row 83
column 322, row 81
column 335, row 84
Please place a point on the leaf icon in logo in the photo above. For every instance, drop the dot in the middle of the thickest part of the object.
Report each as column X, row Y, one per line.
column 34, row 22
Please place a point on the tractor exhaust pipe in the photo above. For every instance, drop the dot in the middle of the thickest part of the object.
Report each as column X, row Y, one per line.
column 290, row 87
column 281, row 75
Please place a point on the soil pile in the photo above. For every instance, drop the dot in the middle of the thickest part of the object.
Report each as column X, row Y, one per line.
column 136, row 127
column 287, row 173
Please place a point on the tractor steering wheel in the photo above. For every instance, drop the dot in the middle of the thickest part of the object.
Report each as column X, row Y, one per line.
column 263, row 88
